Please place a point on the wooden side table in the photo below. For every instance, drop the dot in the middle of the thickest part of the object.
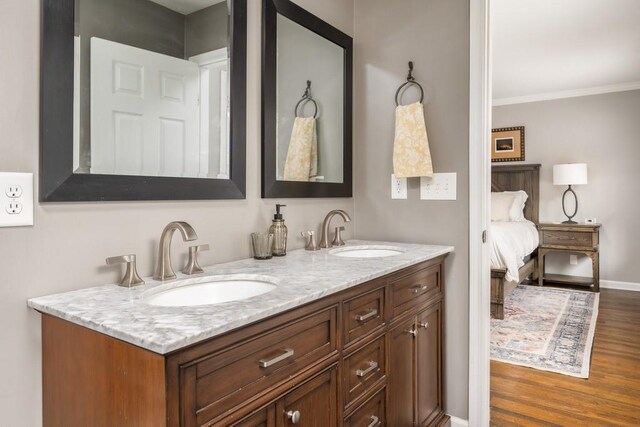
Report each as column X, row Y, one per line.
column 570, row 238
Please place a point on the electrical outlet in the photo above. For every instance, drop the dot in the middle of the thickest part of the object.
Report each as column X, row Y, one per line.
column 13, row 191
column 16, row 199
column 442, row 186
column 398, row 187
column 14, row 207
column 573, row 259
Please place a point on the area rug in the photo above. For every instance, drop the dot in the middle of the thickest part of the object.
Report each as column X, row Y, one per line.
column 546, row 328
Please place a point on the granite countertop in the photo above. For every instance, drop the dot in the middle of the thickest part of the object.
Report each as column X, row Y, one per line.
column 301, row 277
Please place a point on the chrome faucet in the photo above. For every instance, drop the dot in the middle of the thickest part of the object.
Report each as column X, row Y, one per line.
column 324, row 240
column 164, row 270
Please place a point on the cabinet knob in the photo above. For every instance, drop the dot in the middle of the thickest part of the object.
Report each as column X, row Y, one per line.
column 424, row 325
column 294, row 416
column 413, row 332
column 375, row 421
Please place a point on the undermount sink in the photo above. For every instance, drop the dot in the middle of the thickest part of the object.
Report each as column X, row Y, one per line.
column 366, row 251
column 216, row 290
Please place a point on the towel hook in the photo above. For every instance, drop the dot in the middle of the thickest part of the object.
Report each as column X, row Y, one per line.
column 410, row 81
column 410, row 75
column 305, row 98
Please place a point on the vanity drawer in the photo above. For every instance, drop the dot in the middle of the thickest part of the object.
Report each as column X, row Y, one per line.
column 363, row 369
column 372, row 414
column 363, row 314
column 246, row 369
column 409, row 291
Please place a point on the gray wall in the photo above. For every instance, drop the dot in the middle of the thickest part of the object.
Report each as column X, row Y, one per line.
column 66, row 248
column 387, row 35
column 602, row 131
column 303, row 55
column 206, row 30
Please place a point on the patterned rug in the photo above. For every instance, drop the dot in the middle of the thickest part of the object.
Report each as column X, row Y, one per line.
column 546, row 328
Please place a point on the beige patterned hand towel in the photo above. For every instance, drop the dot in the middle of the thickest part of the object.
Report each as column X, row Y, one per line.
column 302, row 154
column 411, row 155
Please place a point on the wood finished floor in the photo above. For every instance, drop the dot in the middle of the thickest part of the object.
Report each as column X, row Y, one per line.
column 609, row 397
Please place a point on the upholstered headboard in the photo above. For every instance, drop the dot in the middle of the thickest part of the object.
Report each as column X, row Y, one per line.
column 519, row 177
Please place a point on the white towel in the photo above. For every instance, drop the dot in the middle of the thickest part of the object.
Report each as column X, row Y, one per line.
column 411, row 155
column 302, row 154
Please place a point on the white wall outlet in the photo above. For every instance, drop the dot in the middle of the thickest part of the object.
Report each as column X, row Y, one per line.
column 13, row 191
column 14, row 207
column 398, row 187
column 573, row 259
column 442, row 186
column 16, row 199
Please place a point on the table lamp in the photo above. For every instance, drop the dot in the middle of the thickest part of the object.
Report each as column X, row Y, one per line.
column 570, row 174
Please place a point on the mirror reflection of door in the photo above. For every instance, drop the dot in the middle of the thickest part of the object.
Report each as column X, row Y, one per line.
column 152, row 83
column 310, row 131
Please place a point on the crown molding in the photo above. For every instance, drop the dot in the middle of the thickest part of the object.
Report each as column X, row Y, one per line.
column 547, row 96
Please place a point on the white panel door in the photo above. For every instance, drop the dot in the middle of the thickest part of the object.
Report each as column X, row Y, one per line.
column 144, row 112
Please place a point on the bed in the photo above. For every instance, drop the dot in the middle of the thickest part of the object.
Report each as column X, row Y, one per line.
column 514, row 178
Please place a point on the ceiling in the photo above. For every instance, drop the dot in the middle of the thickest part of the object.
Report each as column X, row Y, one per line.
column 186, row 7
column 554, row 46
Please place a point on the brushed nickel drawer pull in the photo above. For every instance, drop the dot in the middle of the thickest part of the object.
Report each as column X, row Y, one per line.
column 424, row 325
column 369, row 315
column 413, row 332
column 375, row 421
column 266, row 363
column 294, row 416
column 372, row 367
column 417, row 289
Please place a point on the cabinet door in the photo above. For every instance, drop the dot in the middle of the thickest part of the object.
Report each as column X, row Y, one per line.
column 401, row 374
column 313, row 404
column 429, row 364
column 265, row 417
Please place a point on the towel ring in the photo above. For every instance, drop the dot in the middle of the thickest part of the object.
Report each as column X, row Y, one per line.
column 305, row 98
column 410, row 81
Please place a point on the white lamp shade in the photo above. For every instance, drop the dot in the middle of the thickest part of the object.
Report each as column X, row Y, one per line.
column 570, row 174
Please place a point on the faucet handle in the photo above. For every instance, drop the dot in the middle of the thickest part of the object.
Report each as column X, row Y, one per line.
column 337, row 240
column 192, row 266
column 311, row 242
column 131, row 277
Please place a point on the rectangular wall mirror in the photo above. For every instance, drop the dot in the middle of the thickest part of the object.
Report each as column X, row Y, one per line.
column 307, row 97
column 143, row 99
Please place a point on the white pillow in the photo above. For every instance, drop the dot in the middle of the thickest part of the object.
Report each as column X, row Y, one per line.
column 508, row 206
column 501, row 204
column 517, row 209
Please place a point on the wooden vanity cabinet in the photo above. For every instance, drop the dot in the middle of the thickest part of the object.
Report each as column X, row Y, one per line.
column 415, row 369
column 369, row 356
column 310, row 404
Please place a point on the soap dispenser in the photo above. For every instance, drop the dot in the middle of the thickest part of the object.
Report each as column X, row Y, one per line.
column 279, row 231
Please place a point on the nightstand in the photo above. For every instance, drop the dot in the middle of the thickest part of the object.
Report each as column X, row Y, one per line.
column 570, row 238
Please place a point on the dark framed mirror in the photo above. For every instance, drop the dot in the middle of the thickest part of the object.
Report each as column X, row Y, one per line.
column 306, row 104
column 143, row 100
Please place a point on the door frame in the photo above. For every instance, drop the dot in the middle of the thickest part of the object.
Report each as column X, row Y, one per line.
column 479, row 192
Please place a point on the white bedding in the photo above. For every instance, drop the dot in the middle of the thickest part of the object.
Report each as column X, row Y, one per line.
column 510, row 243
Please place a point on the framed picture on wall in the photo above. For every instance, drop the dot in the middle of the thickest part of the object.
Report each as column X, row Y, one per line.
column 507, row 144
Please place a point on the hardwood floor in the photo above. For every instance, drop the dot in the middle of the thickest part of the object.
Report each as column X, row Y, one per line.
column 609, row 397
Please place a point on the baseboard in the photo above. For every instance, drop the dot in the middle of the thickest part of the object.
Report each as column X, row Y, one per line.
column 624, row 286
column 458, row 422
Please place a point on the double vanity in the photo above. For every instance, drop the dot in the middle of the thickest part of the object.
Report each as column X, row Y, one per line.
column 146, row 100
column 345, row 336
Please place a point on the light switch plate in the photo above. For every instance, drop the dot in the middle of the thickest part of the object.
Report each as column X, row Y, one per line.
column 16, row 199
column 398, row 187
column 441, row 187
